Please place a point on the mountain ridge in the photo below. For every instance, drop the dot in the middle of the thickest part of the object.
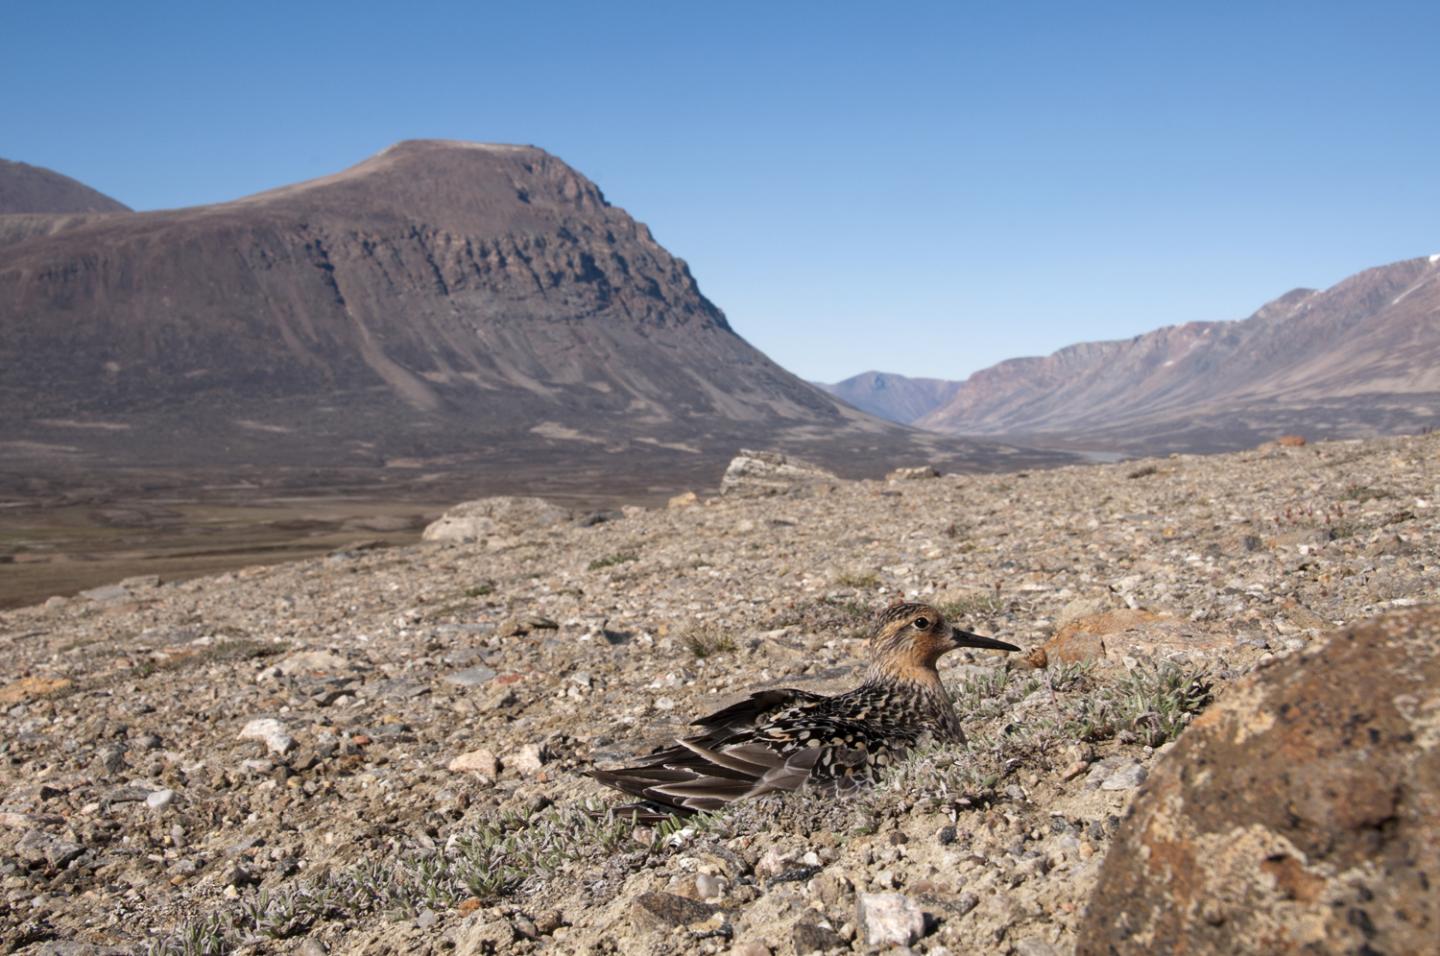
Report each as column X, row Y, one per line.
column 1360, row 358
column 896, row 398
column 27, row 189
column 452, row 306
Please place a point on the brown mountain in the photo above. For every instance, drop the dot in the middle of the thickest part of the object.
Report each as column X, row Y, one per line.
column 895, row 398
column 35, row 189
column 440, row 307
column 1361, row 358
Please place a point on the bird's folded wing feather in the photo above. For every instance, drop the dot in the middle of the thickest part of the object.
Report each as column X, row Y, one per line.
column 753, row 711
column 723, row 762
column 695, row 775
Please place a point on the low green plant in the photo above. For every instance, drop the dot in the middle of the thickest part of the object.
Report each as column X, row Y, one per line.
column 517, row 852
column 610, row 560
column 978, row 604
column 1152, row 702
column 1362, row 493
column 859, row 580
column 707, row 642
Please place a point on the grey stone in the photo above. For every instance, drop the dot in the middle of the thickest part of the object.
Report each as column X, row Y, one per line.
column 916, row 473
column 399, row 689
column 490, row 518
column 528, row 760
column 666, row 911
column 37, row 846
column 810, row 936
column 107, row 594
column 471, row 676
column 481, row 761
column 769, row 473
column 1127, row 777
column 270, row 732
column 314, row 662
column 889, row 919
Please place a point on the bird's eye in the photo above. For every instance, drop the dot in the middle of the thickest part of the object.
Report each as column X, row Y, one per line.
column 923, row 623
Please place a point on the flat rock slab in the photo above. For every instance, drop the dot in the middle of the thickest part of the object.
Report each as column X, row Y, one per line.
column 770, row 473
column 315, row 662
column 33, row 688
column 889, row 919
column 107, row 594
column 500, row 517
column 1301, row 813
column 665, row 911
column 471, row 676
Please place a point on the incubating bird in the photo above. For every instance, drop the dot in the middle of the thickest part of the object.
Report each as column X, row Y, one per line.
column 784, row 738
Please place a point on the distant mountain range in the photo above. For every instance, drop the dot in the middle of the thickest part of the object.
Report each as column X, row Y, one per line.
column 1360, row 358
column 895, row 398
column 441, row 307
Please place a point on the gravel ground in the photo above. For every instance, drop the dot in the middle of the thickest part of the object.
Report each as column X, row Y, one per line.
column 382, row 749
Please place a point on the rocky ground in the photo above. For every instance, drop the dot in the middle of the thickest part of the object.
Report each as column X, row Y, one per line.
column 382, row 750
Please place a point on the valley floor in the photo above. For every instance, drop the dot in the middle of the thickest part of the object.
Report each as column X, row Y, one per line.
column 248, row 761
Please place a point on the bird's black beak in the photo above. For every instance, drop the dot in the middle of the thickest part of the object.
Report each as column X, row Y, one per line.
column 966, row 639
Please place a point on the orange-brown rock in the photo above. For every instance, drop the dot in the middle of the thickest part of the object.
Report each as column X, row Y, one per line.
column 32, row 688
column 1123, row 632
column 1301, row 814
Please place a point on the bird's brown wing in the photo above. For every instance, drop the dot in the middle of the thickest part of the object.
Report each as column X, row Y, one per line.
column 692, row 776
column 720, row 764
column 758, row 709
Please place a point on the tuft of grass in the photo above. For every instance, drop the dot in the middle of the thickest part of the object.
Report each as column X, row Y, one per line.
column 496, row 857
column 1361, row 493
column 847, row 618
column 1016, row 720
column 1144, row 471
column 1154, row 702
column 981, row 604
column 239, row 649
column 610, row 560
column 860, row 580
column 490, row 860
column 707, row 642
column 1019, row 720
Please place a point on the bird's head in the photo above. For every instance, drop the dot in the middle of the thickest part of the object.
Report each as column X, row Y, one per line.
column 909, row 638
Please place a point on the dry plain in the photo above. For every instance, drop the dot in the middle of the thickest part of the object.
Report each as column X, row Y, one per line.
column 383, row 749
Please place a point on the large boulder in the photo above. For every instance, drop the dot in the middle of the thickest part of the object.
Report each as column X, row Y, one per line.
column 770, row 473
column 492, row 520
column 1300, row 814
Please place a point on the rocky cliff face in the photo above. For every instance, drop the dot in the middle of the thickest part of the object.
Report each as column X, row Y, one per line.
column 1360, row 358
column 438, row 299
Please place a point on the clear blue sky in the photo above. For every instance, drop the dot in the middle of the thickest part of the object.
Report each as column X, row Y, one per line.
column 919, row 188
